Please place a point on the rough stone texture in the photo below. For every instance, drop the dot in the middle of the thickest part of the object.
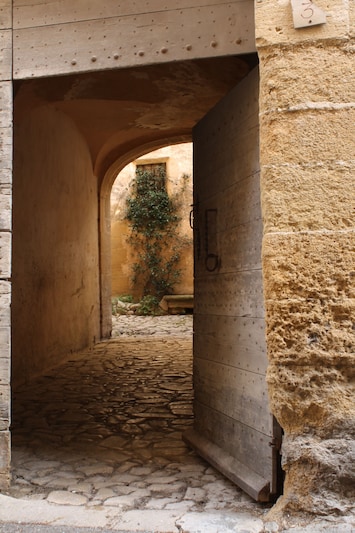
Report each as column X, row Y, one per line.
column 352, row 19
column 6, row 53
column 287, row 82
column 310, row 265
column 310, row 289
column 332, row 471
column 5, row 255
column 274, row 24
column 5, row 241
column 307, row 106
column 4, row 458
column 4, row 391
column 307, row 135
column 285, row 184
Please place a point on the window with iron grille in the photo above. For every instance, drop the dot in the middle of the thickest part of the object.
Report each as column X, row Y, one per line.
column 157, row 172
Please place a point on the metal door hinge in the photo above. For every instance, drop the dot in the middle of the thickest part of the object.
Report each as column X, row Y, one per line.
column 276, row 443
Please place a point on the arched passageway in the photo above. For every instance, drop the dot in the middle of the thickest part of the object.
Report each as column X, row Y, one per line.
column 72, row 135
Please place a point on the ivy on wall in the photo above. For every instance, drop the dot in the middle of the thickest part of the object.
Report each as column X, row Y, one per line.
column 154, row 219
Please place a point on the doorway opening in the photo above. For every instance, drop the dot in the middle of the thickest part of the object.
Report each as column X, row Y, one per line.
column 151, row 235
column 71, row 137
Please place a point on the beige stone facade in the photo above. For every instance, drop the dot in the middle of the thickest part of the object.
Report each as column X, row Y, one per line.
column 95, row 88
column 178, row 163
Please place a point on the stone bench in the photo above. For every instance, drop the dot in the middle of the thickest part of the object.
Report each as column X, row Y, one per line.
column 175, row 304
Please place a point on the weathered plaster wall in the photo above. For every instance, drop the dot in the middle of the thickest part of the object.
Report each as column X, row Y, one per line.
column 178, row 160
column 5, row 232
column 307, row 106
column 55, row 308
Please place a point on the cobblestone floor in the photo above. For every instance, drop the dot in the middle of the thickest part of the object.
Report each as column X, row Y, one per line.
column 104, row 429
column 97, row 444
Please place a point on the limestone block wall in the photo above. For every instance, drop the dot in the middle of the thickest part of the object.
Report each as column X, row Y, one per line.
column 55, row 308
column 178, row 160
column 307, row 114
column 5, row 232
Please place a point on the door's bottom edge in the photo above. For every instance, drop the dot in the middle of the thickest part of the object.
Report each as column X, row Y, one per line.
column 252, row 483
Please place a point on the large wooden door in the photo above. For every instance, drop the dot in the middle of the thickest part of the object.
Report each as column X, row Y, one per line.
column 233, row 427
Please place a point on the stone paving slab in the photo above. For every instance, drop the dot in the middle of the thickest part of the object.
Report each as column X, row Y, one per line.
column 34, row 528
column 220, row 523
column 18, row 516
column 158, row 326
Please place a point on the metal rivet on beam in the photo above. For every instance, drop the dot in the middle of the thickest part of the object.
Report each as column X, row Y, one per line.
column 116, row 56
column 214, row 44
column 188, row 47
column 141, row 53
column 73, row 61
column 164, row 50
column 93, row 59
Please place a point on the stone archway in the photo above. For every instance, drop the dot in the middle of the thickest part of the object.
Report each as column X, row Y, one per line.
column 81, row 130
column 105, row 221
column 112, row 116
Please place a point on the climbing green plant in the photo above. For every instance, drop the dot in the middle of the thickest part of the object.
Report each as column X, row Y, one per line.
column 154, row 218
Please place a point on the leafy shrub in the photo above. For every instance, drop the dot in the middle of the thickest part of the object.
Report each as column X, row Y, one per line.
column 149, row 305
column 154, row 219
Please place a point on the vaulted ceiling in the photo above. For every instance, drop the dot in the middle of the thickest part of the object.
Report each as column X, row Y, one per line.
column 120, row 110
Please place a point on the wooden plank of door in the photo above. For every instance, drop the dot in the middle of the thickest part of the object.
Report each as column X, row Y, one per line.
column 43, row 13
column 216, row 339
column 241, row 453
column 238, row 394
column 234, row 294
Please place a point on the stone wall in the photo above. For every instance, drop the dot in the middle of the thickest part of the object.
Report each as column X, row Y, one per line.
column 307, row 112
column 5, row 232
column 55, row 308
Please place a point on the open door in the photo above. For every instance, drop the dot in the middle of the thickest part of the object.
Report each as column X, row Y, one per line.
column 234, row 429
